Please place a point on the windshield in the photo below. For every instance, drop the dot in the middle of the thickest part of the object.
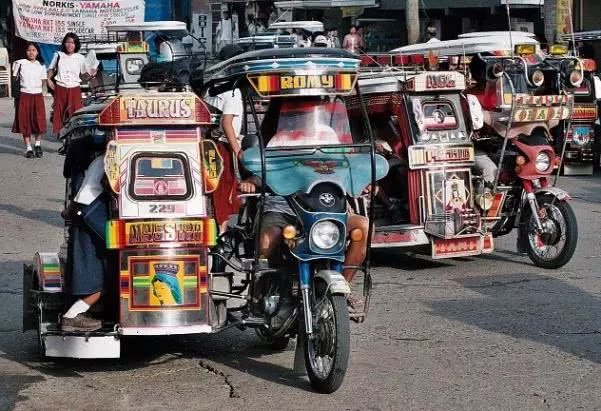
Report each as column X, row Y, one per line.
column 306, row 122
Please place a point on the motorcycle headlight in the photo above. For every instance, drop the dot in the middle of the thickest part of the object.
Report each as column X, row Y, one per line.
column 576, row 78
column 538, row 78
column 325, row 235
column 543, row 162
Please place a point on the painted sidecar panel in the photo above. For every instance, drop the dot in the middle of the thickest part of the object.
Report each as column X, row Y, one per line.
column 292, row 171
column 163, row 291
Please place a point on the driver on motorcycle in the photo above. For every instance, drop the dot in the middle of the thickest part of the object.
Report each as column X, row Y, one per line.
column 306, row 128
column 277, row 214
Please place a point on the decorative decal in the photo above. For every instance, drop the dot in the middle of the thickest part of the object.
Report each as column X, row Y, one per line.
column 111, row 166
column 298, row 84
column 160, row 233
column 324, row 166
column 456, row 195
column 166, row 284
column 212, row 165
column 425, row 156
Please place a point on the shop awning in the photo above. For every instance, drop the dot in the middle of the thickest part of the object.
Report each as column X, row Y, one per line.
column 323, row 4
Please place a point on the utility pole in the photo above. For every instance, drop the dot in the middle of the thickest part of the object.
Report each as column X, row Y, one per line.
column 412, row 18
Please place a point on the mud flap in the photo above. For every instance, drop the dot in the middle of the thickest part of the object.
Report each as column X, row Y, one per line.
column 299, row 367
column 29, row 309
column 82, row 346
column 578, row 169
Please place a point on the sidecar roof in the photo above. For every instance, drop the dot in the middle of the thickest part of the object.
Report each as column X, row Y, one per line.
column 314, row 60
column 148, row 26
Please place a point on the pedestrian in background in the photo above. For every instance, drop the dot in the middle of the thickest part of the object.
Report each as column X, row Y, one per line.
column 30, row 111
column 64, row 77
column 333, row 37
column 225, row 31
column 352, row 42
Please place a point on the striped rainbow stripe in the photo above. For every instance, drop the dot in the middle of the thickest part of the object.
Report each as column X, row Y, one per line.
column 190, row 281
column 343, row 81
column 268, row 84
column 115, row 234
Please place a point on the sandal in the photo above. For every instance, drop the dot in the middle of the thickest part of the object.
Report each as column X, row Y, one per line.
column 355, row 304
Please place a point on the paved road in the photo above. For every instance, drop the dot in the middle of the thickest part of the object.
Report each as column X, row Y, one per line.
column 493, row 332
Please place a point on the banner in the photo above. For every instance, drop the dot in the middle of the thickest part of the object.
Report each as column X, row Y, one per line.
column 47, row 21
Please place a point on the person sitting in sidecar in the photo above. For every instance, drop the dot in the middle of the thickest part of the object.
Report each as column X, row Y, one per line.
column 88, row 213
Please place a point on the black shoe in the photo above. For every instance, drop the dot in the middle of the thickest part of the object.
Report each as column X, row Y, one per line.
column 81, row 322
column 29, row 154
column 38, row 151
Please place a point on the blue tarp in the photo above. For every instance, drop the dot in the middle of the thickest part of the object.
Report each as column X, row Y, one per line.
column 48, row 51
column 155, row 10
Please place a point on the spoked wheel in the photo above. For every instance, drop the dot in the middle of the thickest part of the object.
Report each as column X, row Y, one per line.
column 39, row 327
column 555, row 245
column 327, row 352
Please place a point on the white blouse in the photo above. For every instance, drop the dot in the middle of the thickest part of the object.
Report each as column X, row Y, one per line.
column 69, row 69
column 32, row 73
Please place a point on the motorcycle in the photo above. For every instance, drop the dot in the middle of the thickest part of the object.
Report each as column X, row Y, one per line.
column 306, row 156
column 430, row 120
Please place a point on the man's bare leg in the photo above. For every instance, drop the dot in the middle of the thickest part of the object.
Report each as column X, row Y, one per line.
column 269, row 241
column 357, row 250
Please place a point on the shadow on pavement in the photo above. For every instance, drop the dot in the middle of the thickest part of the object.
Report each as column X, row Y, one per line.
column 532, row 307
column 51, row 217
column 405, row 261
column 15, row 145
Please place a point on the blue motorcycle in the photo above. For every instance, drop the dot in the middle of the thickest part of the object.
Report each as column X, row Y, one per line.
column 305, row 163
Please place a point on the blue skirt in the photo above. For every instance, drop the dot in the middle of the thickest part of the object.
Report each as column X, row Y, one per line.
column 86, row 263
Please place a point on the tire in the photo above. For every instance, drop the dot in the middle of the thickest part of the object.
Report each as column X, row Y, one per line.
column 556, row 212
column 328, row 381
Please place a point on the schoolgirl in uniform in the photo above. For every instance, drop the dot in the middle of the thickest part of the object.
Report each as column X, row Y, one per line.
column 64, row 78
column 30, row 111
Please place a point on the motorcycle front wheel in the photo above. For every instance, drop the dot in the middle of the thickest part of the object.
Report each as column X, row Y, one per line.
column 327, row 351
column 555, row 246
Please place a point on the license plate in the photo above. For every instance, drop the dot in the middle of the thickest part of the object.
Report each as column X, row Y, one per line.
column 460, row 247
column 425, row 156
column 541, row 114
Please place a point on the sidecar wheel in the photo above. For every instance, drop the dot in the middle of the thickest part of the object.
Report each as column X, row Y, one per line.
column 556, row 246
column 327, row 353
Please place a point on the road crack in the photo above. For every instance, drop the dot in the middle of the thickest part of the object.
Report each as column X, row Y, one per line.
column 226, row 377
column 574, row 332
column 12, row 292
column 502, row 284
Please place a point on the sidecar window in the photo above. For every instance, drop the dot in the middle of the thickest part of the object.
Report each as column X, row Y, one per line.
column 159, row 176
column 310, row 121
column 439, row 115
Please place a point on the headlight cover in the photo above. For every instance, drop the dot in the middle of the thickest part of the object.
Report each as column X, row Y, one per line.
column 325, row 235
column 543, row 162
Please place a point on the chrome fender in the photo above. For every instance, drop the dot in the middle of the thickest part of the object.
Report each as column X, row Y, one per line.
column 335, row 281
column 556, row 192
